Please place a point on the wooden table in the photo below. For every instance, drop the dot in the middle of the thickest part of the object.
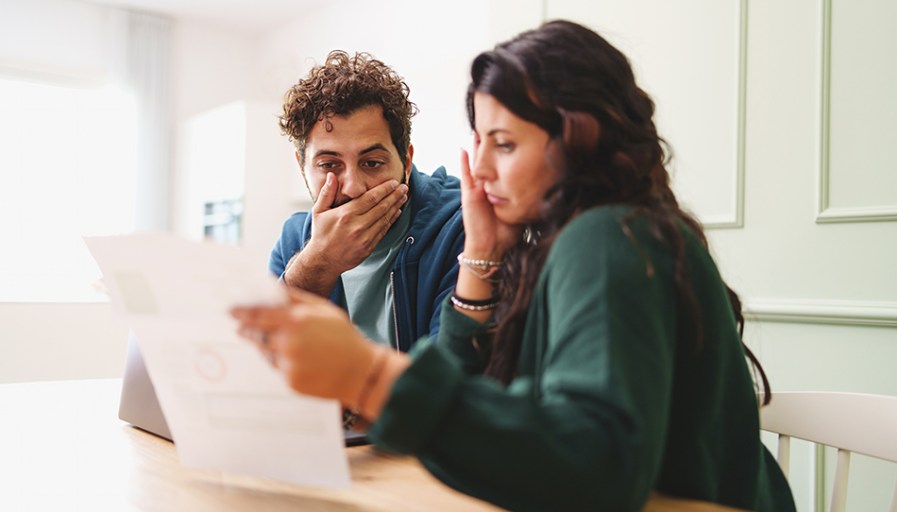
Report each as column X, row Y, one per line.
column 62, row 448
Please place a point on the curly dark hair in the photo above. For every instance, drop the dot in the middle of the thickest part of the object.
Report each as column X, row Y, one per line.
column 341, row 86
column 581, row 90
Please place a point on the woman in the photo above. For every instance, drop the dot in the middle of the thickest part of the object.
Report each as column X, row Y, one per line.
column 590, row 352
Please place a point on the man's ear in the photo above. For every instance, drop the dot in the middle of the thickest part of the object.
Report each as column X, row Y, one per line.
column 302, row 172
column 408, row 159
column 299, row 163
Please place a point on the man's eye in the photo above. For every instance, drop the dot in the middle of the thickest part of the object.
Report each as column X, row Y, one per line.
column 373, row 164
column 326, row 165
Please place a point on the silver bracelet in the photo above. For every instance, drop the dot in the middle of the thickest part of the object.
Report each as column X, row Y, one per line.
column 483, row 269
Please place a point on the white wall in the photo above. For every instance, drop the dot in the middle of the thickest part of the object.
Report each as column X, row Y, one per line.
column 59, row 39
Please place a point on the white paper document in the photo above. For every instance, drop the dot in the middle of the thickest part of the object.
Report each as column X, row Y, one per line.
column 226, row 407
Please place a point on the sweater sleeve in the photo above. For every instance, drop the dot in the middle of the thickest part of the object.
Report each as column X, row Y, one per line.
column 289, row 242
column 464, row 337
column 582, row 425
column 276, row 261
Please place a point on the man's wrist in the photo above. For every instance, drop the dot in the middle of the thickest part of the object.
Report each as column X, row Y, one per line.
column 308, row 272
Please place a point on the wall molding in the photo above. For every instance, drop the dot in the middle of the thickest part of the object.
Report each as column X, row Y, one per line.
column 855, row 313
column 825, row 213
column 737, row 221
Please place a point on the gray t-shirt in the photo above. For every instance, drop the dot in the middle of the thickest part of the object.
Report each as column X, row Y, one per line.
column 369, row 288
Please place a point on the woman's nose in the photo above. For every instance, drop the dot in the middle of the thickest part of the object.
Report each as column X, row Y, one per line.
column 482, row 167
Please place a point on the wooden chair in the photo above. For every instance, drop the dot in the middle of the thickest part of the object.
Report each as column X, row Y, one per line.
column 851, row 422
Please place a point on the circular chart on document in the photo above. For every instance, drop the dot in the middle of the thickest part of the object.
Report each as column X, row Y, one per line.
column 210, row 365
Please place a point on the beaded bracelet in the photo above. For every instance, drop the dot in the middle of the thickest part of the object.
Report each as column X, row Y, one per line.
column 474, row 305
column 478, row 264
column 483, row 269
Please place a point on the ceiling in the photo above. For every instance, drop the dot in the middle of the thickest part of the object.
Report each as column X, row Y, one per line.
column 247, row 16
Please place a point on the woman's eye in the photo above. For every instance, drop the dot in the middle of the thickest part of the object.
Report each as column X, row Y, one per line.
column 505, row 147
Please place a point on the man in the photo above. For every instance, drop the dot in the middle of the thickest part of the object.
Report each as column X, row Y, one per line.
column 382, row 238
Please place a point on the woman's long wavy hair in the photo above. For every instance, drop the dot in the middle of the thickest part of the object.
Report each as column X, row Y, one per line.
column 581, row 90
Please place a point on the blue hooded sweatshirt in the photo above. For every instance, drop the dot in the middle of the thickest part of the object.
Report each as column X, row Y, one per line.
column 426, row 268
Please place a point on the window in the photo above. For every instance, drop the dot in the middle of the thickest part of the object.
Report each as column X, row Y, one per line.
column 222, row 221
column 67, row 170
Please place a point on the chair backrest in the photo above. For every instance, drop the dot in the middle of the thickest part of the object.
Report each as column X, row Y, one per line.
column 850, row 422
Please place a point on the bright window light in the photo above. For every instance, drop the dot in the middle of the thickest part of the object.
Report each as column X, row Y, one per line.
column 67, row 170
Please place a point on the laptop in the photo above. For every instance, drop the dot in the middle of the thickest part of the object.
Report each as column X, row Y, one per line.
column 140, row 407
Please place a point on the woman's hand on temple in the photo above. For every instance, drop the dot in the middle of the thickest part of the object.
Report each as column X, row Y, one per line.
column 486, row 237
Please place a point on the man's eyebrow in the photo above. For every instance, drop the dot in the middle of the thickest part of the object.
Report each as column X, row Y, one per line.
column 326, row 152
column 330, row 152
column 374, row 147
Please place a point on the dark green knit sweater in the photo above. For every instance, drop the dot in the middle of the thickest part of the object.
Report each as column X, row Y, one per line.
column 613, row 397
